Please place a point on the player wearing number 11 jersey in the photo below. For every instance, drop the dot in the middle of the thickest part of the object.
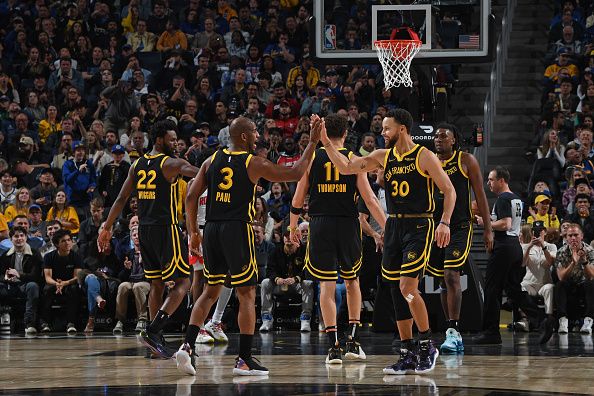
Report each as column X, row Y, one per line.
column 231, row 175
column 334, row 241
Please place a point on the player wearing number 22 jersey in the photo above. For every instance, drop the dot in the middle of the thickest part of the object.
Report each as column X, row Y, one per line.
column 231, row 175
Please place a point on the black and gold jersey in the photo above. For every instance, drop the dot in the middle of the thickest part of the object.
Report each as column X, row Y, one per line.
column 231, row 193
column 157, row 196
column 462, row 211
column 331, row 193
column 408, row 189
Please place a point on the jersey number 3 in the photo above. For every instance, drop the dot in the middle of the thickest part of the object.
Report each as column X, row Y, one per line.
column 227, row 178
column 150, row 184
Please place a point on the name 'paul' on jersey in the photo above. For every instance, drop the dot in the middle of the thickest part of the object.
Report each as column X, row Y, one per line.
column 157, row 196
column 331, row 193
column 462, row 211
column 231, row 193
column 408, row 189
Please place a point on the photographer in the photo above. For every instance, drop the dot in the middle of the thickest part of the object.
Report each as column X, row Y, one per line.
column 538, row 258
column 320, row 103
column 575, row 268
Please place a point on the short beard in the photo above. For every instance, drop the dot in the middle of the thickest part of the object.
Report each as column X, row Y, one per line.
column 168, row 151
column 392, row 142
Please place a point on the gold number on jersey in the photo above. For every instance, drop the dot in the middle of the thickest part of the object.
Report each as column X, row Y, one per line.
column 400, row 190
column 150, row 184
column 329, row 166
column 227, row 178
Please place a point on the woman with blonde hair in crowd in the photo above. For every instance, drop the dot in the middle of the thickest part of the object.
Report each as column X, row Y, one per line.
column 64, row 213
column 551, row 147
column 20, row 206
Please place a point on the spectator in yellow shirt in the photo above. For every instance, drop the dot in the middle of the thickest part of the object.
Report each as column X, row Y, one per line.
column 542, row 203
column 20, row 206
column 64, row 213
column 172, row 38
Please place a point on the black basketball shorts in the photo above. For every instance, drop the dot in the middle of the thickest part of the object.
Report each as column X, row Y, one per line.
column 164, row 252
column 333, row 245
column 454, row 255
column 407, row 246
column 229, row 247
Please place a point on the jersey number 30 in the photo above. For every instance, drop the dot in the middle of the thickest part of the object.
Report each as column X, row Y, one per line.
column 401, row 189
column 150, row 184
column 227, row 178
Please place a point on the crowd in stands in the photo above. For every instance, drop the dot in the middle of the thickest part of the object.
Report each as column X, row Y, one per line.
column 560, row 188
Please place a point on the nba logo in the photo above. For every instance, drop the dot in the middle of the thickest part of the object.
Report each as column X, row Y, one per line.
column 330, row 37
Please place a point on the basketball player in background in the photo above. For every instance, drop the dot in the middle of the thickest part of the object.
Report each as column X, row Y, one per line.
column 410, row 172
column 334, row 240
column 448, row 263
column 231, row 176
column 154, row 177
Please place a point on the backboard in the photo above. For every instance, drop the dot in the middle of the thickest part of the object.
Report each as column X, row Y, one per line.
column 452, row 31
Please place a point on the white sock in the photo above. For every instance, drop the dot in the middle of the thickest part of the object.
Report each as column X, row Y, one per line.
column 222, row 304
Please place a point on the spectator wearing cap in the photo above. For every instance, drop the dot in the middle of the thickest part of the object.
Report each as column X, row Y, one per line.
column 80, row 179
column 542, row 204
column 583, row 216
column 172, row 38
column 280, row 94
column 122, row 106
column 64, row 75
column 284, row 119
column 223, row 135
column 4, row 108
column 44, row 193
column 36, row 221
column 320, row 103
column 141, row 40
column 113, row 176
column 551, row 72
column 27, row 150
column 305, row 70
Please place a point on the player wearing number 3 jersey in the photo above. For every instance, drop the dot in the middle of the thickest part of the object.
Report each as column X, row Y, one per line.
column 410, row 172
column 231, row 175
column 164, row 252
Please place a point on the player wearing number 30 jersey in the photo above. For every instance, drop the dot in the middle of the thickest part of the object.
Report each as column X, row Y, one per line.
column 409, row 174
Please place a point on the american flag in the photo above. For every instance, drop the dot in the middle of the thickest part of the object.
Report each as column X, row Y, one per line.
column 469, row 41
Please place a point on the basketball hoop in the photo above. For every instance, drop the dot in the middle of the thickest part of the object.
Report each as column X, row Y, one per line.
column 396, row 57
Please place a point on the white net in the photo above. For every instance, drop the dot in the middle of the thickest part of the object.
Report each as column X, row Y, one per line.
column 396, row 57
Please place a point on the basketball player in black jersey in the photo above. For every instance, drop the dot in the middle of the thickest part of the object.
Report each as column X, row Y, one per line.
column 334, row 239
column 154, row 177
column 447, row 263
column 231, row 176
column 409, row 175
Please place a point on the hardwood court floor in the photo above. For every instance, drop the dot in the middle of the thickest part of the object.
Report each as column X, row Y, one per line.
column 103, row 364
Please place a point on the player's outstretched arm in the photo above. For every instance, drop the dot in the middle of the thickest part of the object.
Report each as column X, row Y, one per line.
column 476, row 182
column 432, row 166
column 105, row 235
column 178, row 166
column 297, row 207
column 350, row 166
column 370, row 200
column 261, row 167
column 197, row 187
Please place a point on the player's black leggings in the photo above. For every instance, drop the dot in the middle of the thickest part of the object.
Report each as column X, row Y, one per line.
column 400, row 305
column 504, row 269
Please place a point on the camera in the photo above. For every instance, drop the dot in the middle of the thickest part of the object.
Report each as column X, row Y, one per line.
column 537, row 228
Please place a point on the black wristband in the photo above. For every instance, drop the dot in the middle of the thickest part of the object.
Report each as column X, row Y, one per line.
column 296, row 211
column 445, row 224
